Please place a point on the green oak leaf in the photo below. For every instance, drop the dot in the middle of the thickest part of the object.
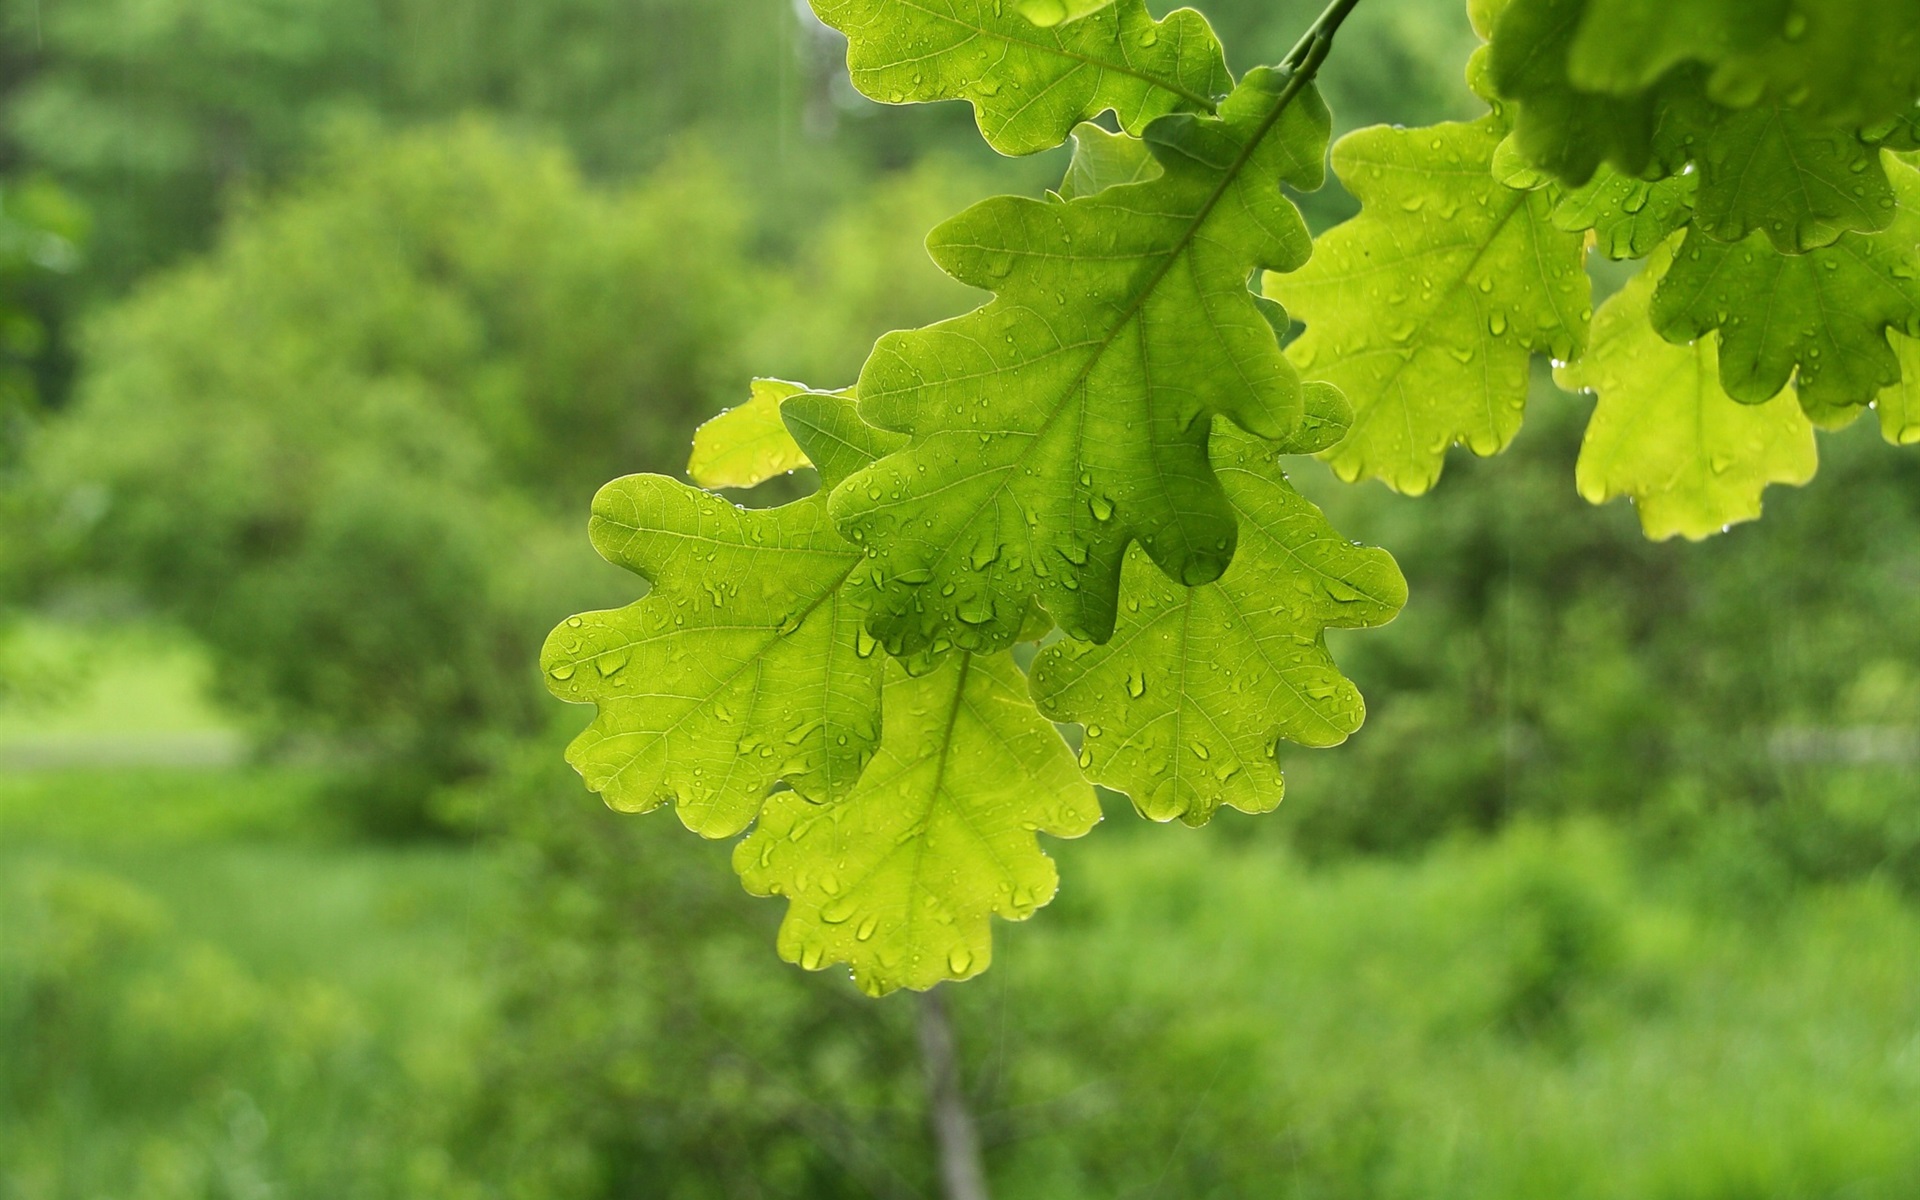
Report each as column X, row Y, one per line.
column 1899, row 405
column 1558, row 126
column 747, row 445
column 1848, row 61
column 900, row 878
column 744, row 665
column 1048, row 13
column 1185, row 706
column 1823, row 315
column 1771, row 168
column 1070, row 415
column 1029, row 86
column 1693, row 459
column 1426, row 308
column 1629, row 217
column 1765, row 162
column 1102, row 160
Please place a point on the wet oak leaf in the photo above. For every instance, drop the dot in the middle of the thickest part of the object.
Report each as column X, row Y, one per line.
column 1693, row 459
column 1029, row 85
column 1629, row 217
column 748, row 445
column 1427, row 307
column 1070, row 416
column 1899, row 405
column 901, row 878
column 1102, row 160
column 1850, row 62
column 746, row 664
column 1770, row 168
column 1048, row 13
column 1185, row 707
column 1819, row 318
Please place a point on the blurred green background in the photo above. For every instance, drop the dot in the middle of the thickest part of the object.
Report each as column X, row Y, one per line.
column 321, row 320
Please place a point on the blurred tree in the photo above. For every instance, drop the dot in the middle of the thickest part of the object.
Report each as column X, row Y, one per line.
column 352, row 448
column 41, row 233
column 1556, row 662
column 648, row 1043
column 341, row 449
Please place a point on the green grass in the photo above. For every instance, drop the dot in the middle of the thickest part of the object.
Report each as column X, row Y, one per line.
column 74, row 694
column 219, row 994
column 1531, row 1017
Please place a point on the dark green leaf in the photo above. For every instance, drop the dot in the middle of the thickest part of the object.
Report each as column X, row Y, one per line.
column 1070, row 416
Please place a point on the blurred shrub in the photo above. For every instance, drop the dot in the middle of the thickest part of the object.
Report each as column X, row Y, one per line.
column 42, row 230
column 1552, row 661
column 1526, row 1015
column 146, row 1064
column 1520, row 1017
column 353, row 450
column 650, row 1043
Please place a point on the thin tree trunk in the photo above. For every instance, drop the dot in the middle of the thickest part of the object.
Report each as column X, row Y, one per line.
column 962, row 1173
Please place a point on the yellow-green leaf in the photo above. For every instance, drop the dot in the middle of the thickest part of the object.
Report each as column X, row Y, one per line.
column 1185, row 706
column 1029, row 86
column 901, row 878
column 747, row 445
column 1899, row 405
column 1069, row 417
column 1693, row 459
column 745, row 665
column 1427, row 307
column 1048, row 13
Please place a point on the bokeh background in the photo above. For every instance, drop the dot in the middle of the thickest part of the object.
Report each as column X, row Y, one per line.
column 321, row 320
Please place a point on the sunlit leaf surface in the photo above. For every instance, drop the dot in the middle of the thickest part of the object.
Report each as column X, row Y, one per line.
column 1663, row 432
column 1184, row 707
column 901, row 878
column 1069, row 417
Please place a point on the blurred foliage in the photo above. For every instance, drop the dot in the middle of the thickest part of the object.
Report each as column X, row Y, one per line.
column 42, row 231
column 352, row 449
column 144, row 1061
column 1553, row 662
column 1531, row 1012
column 649, row 1041
column 345, row 446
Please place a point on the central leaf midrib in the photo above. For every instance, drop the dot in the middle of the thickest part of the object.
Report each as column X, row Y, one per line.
column 1127, row 317
column 703, row 703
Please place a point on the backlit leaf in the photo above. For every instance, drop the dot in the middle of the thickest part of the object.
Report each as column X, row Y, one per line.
column 1899, row 405
column 745, row 665
column 1820, row 318
column 901, row 878
column 1070, row 415
column 1029, row 86
column 1426, row 308
column 1102, row 160
column 1663, row 432
column 1048, row 13
column 747, row 445
column 1184, row 707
